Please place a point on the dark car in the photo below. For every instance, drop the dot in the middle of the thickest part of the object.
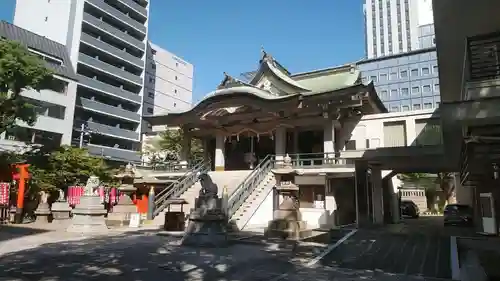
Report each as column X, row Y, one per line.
column 457, row 214
column 409, row 209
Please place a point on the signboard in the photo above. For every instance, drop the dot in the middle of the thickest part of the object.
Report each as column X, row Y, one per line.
column 135, row 220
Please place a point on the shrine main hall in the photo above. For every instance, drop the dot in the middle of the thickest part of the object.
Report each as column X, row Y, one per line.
column 276, row 113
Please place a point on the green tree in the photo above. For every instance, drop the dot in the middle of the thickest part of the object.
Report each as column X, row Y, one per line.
column 19, row 70
column 66, row 166
column 169, row 146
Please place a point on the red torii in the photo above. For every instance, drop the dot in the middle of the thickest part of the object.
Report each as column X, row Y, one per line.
column 21, row 175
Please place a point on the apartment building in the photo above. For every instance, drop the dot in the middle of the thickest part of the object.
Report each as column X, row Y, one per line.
column 107, row 43
column 168, row 85
column 54, row 104
column 392, row 26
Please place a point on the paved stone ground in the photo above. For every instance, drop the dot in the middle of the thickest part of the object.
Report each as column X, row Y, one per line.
column 145, row 255
column 417, row 247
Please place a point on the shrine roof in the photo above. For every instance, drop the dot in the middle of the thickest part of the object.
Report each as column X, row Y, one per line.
column 332, row 82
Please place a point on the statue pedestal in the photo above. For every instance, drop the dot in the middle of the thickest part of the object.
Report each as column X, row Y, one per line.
column 287, row 224
column 121, row 212
column 42, row 213
column 61, row 211
column 207, row 224
column 88, row 216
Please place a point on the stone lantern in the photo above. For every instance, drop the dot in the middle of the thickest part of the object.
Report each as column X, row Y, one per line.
column 125, row 207
column 287, row 220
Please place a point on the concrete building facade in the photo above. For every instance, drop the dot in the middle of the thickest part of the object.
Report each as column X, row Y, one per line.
column 405, row 82
column 54, row 104
column 107, row 42
column 168, row 85
column 392, row 26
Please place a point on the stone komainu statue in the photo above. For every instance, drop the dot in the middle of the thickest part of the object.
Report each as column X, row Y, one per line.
column 208, row 187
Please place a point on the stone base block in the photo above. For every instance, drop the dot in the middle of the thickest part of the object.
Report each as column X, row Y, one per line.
column 286, row 229
column 210, row 233
column 43, row 218
column 118, row 219
column 61, row 215
column 88, row 216
column 87, row 224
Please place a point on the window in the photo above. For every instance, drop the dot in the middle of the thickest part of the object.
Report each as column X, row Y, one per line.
column 46, row 18
column 383, row 77
column 150, row 110
column 373, row 78
column 404, row 92
column 426, row 88
column 394, row 76
column 404, row 73
column 435, row 69
column 151, row 80
column 414, row 72
column 175, row 104
column 395, row 109
column 437, row 104
column 176, row 78
column 434, row 40
column 425, row 71
column 394, row 93
column 436, row 87
column 153, row 66
column 383, row 94
column 406, row 108
column 153, row 51
column 176, row 64
column 415, row 90
column 417, row 106
column 364, row 79
column 151, row 94
column 427, row 105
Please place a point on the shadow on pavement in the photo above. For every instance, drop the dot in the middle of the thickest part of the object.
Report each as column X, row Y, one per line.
column 8, row 232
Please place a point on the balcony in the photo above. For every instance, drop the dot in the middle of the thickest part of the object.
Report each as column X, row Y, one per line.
column 112, row 153
column 110, row 69
column 108, row 89
column 107, row 130
column 113, row 31
column 118, row 15
column 107, row 109
column 136, row 7
column 120, row 54
column 481, row 74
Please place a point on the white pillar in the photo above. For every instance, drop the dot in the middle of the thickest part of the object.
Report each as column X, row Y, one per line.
column 280, row 144
column 463, row 194
column 330, row 204
column 219, row 161
column 329, row 139
column 411, row 134
column 185, row 149
column 377, row 196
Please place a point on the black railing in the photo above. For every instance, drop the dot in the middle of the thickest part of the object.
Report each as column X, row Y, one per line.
column 176, row 189
column 247, row 186
column 484, row 56
column 301, row 160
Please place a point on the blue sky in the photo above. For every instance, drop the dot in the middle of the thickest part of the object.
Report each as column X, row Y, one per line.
column 226, row 35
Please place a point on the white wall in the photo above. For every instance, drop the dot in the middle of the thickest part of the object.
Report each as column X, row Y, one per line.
column 372, row 127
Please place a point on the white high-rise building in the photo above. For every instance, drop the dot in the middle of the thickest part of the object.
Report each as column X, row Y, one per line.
column 391, row 26
column 107, row 42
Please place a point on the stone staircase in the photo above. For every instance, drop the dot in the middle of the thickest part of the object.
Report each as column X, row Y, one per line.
column 231, row 179
column 249, row 208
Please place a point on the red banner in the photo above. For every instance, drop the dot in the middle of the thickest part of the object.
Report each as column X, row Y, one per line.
column 74, row 193
column 4, row 193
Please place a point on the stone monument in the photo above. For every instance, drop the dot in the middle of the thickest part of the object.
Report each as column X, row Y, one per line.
column 42, row 212
column 125, row 207
column 207, row 225
column 88, row 215
column 287, row 220
column 61, row 209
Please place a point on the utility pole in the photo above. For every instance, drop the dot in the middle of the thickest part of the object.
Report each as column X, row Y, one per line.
column 82, row 134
